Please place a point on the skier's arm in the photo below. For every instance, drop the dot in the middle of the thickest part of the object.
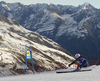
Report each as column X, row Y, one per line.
column 73, row 62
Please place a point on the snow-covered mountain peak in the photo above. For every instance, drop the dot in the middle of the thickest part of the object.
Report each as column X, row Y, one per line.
column 87, row 5
column 4, row 5
column 2, row 2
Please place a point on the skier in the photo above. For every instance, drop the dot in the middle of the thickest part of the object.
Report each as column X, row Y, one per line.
column 82, row 62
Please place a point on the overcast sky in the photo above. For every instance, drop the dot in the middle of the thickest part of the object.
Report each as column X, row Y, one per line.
column 95, row 3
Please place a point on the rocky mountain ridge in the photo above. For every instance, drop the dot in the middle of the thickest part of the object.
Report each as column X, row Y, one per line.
column 74, row 28
column 47, row 54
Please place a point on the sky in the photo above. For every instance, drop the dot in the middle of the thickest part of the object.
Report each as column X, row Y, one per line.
column 95, row 3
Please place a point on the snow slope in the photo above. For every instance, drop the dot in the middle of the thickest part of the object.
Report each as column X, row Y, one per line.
column 93, row 75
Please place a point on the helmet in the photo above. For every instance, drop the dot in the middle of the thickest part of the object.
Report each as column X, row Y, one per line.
column 77, row 55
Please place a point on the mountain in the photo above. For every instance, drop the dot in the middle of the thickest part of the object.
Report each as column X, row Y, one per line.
column 47, row 54
column 74, row 28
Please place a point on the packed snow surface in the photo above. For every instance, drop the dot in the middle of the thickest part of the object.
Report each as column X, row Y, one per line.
column 93, row 75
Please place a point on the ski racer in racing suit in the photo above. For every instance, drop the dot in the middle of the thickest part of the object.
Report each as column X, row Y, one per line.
column 82, row 62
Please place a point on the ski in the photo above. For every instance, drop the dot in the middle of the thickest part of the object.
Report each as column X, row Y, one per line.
column 73, row 71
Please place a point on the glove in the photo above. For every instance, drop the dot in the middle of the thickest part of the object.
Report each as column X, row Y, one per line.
column 69, row 65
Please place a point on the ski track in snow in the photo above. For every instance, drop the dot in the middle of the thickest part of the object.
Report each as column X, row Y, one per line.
column 93, row 75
